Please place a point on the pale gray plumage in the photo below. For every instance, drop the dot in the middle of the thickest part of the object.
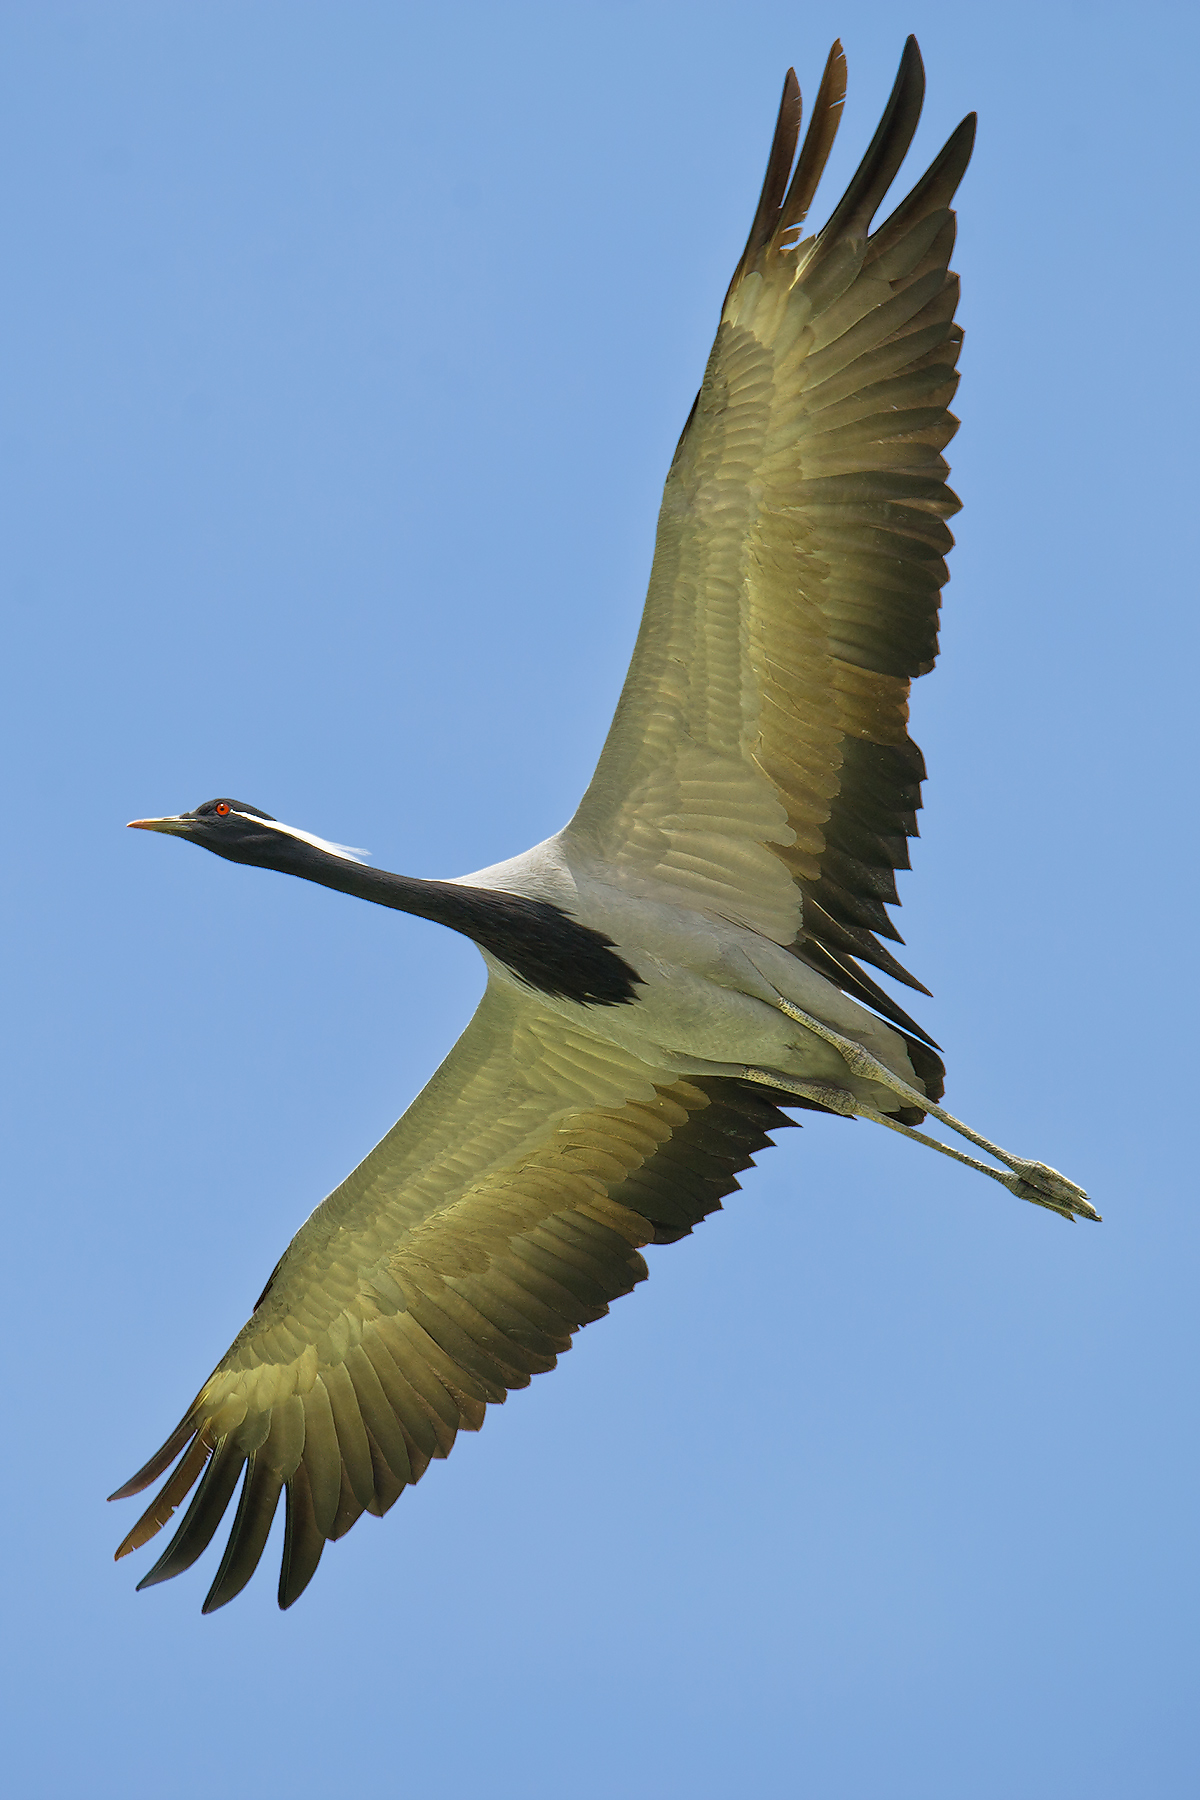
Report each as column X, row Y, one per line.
column 736, row 847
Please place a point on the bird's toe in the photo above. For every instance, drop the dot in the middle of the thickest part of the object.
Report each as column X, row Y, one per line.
column 1045, row 1186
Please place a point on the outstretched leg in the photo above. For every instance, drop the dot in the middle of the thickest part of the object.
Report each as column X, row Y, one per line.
column 1030, row 1180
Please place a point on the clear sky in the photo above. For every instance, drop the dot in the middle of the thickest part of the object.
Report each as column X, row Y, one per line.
column 344, row 349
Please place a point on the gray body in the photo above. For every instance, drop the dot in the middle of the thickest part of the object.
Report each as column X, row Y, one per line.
column 710, row 999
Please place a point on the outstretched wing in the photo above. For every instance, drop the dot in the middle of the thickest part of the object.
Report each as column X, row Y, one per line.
column 503, row 1212
column 759, row 764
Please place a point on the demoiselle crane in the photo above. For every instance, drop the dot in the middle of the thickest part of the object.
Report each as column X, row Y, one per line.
column 684, row 959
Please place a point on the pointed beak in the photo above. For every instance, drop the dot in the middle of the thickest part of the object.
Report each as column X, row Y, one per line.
column 176, row 825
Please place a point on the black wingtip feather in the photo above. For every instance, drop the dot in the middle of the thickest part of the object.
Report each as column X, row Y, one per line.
column 303, row 1541
column 818, row 141
column 162, row 1459
column 775, row 181
column 202, row 1517
column 936, row 188
column 885, row 153
column 783, row 205
column 170, row 1495
column 248, row 1536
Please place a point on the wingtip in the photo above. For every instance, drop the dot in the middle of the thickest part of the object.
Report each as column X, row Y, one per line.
column 137, row 1483
column 161, row 1461
column 912, row 65
column 150, row 1580
column 286, row 1603
column 837, row 73
column 133, row 1486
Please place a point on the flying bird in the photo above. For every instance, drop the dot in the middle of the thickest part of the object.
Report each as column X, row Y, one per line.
column 685, row 958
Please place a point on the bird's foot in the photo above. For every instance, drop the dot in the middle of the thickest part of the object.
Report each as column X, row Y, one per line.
column 1044, row 1186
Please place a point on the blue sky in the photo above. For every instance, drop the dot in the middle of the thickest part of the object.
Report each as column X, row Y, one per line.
column 345, row 347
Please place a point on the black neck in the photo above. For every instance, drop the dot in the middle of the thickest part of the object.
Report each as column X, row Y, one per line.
column 537, row 940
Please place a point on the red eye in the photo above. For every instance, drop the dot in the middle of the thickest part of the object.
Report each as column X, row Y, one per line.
column 222, row 809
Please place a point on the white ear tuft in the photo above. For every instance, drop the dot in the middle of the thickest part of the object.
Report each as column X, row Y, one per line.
column 308, row 837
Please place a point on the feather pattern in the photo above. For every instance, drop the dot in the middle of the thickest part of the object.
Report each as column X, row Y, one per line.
column 505, row 1210
column 759, row 763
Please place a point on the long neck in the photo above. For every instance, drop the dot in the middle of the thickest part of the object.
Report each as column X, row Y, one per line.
column 445, row 902
column 538, row 941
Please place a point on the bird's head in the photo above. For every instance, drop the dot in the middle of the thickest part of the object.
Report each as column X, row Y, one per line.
column 245, row 834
